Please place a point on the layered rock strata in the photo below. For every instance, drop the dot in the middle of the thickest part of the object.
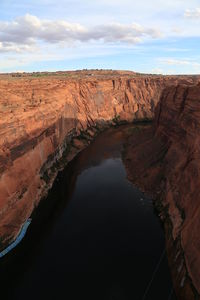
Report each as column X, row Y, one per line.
column 165, row 161
column 39, row 122
column 45, row 122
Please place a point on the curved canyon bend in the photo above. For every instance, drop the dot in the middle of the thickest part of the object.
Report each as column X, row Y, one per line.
column 95, row 236
column 45, row 122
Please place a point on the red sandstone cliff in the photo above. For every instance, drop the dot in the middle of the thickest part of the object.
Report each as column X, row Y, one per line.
column 40, row 117
column 181, row 127
column 166, row 162
column 43, row 120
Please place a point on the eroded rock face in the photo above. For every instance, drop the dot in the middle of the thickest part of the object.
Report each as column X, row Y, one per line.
column 39, row 120
column 165, row 161
column 183, row 170
column 46, row 120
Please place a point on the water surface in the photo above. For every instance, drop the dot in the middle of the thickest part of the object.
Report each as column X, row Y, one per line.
column 96, row 236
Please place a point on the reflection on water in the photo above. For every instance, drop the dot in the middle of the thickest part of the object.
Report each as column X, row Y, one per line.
column 94, row 237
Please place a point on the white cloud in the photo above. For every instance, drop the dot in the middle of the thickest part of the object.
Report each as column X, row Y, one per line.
column 192, row 13
column 179, row 62
column 25, row 32
column 171, row 72
column 14, row 47
column 88, row 33
column 157, row 71
column 171, row 61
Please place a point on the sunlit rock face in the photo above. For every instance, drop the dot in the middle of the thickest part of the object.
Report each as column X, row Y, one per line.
column 45, row 122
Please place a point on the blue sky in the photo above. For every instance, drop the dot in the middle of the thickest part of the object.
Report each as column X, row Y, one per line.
column 145, row 36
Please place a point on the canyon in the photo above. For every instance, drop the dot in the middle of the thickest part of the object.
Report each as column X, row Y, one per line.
column 46, row 119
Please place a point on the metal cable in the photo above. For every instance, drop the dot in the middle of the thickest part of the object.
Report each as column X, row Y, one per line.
column 171, row 293
column 153, row 275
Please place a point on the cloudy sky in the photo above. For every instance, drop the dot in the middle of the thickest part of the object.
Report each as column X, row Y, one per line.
column 146, row 36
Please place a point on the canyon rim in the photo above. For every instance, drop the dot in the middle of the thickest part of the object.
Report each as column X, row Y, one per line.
column 46, row 119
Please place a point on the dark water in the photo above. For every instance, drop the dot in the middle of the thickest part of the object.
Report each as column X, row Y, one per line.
column 96, row 236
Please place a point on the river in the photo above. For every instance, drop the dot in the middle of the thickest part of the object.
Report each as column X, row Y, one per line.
column 95, row 236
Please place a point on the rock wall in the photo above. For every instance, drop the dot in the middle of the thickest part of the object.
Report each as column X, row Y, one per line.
column 45, row 122
column 40, row 120
column 166, row 163
column 181, row 127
